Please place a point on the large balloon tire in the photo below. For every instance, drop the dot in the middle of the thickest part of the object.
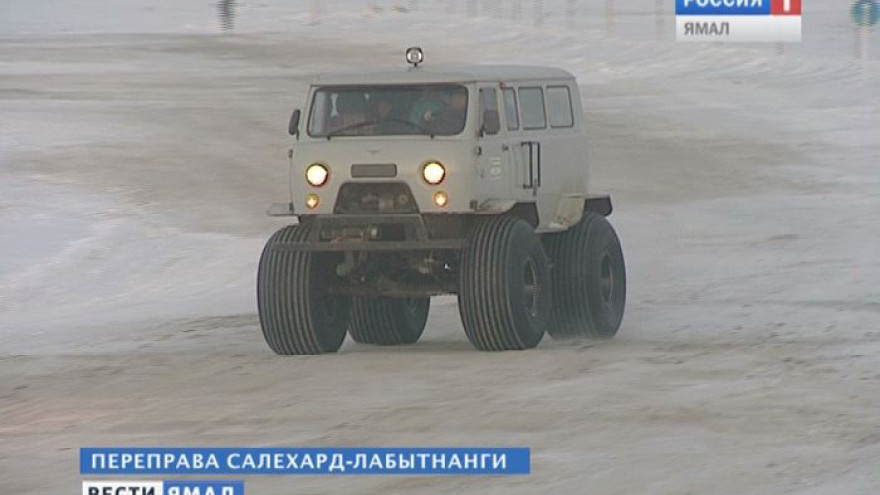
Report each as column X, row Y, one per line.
column 388, row 320
column 504, row 286
column 298, row 315
column 589, row 280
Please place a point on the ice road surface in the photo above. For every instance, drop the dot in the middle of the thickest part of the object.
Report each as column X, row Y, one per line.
column 140, row 143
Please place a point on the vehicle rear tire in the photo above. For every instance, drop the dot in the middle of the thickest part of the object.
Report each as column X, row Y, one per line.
column 589, row 280
column 388, row 320
column 297, row 313
column 504, row 286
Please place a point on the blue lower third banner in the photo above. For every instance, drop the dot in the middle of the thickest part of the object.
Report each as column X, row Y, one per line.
column 179, row 487
column 293, row 461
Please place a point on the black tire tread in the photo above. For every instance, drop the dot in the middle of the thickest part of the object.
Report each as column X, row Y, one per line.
column 483, row 295
column 384, row 321
column 285, row 299
column 577, row 309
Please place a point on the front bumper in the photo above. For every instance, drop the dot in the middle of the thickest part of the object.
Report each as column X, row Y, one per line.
column 349, row 233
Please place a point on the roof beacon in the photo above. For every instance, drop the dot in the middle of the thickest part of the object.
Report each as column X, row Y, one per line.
column 414, row 56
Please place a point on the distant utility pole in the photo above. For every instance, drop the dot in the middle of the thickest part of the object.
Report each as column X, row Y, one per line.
column 472, row 8
column 570, row 13
column 314, row 14
column 609, row 18
column 538, row 12
column 516, row 9
column 659, row 19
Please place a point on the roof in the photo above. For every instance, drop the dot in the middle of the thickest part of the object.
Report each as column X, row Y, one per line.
column 444, row 74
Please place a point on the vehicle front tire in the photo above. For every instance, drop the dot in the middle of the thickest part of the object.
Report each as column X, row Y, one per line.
column 388, row 320
column 589, row 280
column 298, row 315
column 504, row 282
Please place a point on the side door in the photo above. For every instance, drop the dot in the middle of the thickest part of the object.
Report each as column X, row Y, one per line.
column 548, row 147
column 516, row 158
column 564, row 157
column 529, row 143
column 493, row 163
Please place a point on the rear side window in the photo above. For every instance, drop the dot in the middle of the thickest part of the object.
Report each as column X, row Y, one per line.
column 559, row 106
column 531, row 101
column 510, row 109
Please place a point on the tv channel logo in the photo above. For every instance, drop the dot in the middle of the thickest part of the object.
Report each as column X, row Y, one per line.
column 177, row 487
column 738, row 20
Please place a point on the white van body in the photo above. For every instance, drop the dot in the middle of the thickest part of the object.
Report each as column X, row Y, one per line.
column 486, row 174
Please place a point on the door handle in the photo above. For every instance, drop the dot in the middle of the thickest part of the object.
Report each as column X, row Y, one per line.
column 534, row 166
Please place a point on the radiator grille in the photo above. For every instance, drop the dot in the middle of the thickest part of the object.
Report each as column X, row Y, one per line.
column 375, row 197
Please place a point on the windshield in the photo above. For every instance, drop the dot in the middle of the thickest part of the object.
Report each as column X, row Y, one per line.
column 388, row 110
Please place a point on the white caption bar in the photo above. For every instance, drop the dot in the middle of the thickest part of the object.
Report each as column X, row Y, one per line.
column 738, row 28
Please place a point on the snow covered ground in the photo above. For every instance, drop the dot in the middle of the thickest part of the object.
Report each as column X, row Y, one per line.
column 140, row 144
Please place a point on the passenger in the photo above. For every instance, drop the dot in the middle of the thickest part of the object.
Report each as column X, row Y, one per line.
column 450, row 119
column 424, row 109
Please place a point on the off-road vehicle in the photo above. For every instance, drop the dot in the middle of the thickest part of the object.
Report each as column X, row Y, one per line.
column 420, row 181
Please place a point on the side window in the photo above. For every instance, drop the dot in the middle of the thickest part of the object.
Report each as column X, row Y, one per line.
column 531, row 100
column 510, row 109
column 559, row 105
column 488, row 101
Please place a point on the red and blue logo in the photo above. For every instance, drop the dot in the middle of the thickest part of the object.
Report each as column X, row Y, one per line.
column 785, row 7
column 738, row 7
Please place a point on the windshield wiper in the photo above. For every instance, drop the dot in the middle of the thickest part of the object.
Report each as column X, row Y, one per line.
column 412, row 124
column 358, row 125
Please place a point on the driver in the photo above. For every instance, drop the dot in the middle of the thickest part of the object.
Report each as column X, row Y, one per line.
column 351, row 109
column 384, row 107
column 387, row 120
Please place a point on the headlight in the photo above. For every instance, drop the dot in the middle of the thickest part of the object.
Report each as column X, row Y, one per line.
column 317, row 174
column 434, row 173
